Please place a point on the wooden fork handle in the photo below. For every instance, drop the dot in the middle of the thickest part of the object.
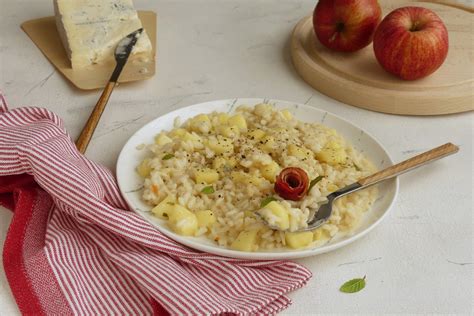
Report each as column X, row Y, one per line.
column 409, row 164
column 88, row 130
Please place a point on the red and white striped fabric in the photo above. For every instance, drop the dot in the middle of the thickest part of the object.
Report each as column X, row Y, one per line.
column 73, row 247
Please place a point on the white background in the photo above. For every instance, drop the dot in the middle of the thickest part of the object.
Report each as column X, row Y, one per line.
column 419, row 260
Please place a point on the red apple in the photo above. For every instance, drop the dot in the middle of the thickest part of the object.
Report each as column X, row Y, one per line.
column 411, row 42
column 346, row 25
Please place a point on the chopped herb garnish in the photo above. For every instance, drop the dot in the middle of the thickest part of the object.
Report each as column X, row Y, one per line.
column 208, row 190
column 267, row 200
column 314, row 181
column 168, row 156
column 357, row 167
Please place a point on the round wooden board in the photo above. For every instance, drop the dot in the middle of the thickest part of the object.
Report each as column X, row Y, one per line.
column 359, row 80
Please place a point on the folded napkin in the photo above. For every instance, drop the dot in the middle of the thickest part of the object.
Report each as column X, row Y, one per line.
column 74, row 247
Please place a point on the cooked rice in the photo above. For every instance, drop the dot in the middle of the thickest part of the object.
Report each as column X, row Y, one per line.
column 235, row 197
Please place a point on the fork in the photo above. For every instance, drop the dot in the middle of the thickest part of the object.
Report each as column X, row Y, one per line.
column 323, row 213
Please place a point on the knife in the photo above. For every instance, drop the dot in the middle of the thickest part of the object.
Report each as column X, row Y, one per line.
column 122, row 52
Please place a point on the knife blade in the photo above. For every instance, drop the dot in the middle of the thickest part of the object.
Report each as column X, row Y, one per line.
column 122, row 51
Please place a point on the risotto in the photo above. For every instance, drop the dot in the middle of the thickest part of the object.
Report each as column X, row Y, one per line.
column 209, row 175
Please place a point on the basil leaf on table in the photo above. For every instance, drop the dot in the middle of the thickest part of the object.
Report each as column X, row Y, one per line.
column 353, row 286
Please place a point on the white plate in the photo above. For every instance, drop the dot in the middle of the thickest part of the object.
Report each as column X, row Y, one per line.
column 130, row 183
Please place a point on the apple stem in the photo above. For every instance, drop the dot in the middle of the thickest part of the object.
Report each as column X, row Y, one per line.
column 415, row 27
column 339, row 29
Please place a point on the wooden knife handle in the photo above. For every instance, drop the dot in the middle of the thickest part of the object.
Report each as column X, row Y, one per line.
column 88, row 130
column 409, row 164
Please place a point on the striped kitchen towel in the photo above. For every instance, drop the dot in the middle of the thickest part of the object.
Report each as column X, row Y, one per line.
column 74, row 247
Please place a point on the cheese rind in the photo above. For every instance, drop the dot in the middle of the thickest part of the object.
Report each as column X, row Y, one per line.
column 91, row 29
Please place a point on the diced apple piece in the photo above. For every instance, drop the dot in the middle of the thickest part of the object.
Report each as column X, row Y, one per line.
column 223, row 162
column 206, row 175
column 231, row 162
column 218, row 163
column 262, row 109
column 144, row 168
column 229, row 131
column 238, row 120
column 333, row 153
column 200, row 118
column 182, row 221
column 246, row 240
column 298, row 239
column 200, row 123
column 254, row 179
column 276, row 215
column 223, row 118
column 319, row 234
column 287, row 114
column 239, row 176
column 164, row 207
column 193, row 138
column 299, row 152
column 221, row 145
column 246, row 178
column 178, row 133
column 256, row 134
column 270, row 171
column 268, row 144
column 332, row 187
column 205, row 218
column 334, row 145
column 162, row 139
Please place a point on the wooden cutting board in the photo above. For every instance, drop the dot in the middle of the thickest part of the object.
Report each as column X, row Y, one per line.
column 357, row 79
column 44, row 34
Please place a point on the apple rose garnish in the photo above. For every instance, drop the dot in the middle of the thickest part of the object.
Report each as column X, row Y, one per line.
column 292, row 183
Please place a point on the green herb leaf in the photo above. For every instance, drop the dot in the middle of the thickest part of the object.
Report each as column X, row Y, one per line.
column 208, row 190
column 168, row 156
column 267, row 200
column 352, row 286
column 314, row 181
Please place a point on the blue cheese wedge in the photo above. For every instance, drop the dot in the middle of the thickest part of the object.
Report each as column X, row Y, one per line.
column 91, row 29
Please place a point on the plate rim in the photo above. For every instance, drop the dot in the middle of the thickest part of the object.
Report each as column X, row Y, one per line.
column 262, row 255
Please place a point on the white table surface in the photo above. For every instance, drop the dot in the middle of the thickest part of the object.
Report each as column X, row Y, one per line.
column 419, row 260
